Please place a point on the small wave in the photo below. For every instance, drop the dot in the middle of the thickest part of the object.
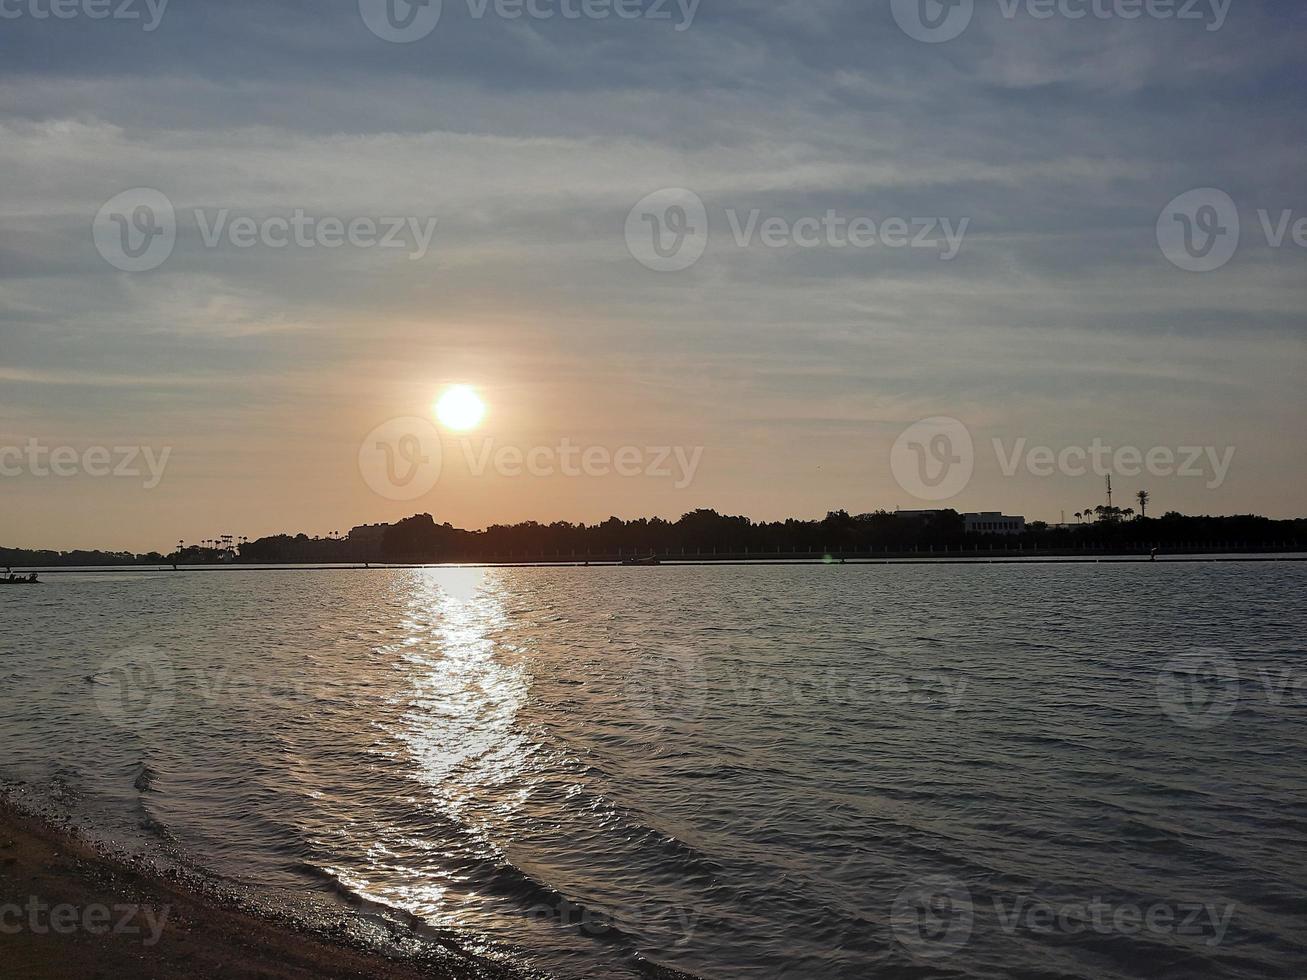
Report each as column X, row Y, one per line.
column 156, row 828
column 145, row 777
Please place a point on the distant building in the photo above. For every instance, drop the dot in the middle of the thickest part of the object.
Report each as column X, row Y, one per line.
column 368, row 533
column 985, row 522
column 993, row 522
column 365, row 541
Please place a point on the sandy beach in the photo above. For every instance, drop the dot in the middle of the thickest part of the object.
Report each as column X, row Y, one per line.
column 70, row 910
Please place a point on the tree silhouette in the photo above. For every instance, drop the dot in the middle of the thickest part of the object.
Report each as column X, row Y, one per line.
column 706, row 534
column 1143, row 497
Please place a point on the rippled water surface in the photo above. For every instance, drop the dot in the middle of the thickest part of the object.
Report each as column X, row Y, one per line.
column 798, row 772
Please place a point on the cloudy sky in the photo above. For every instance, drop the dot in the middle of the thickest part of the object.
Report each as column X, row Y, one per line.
column 1022, row 265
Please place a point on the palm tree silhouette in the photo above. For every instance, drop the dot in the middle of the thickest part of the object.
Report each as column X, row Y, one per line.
column 1143, row 497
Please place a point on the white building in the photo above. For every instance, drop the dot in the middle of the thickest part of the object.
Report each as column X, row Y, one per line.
column 993, row 522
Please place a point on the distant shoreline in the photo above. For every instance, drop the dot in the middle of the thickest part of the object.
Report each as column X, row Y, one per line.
column 678, row 562
column 704, row 536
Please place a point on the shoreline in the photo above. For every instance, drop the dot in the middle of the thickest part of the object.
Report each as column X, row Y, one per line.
column 1119, row 558
column 72, row 909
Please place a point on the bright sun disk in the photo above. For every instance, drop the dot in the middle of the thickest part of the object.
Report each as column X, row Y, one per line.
column 460, row 408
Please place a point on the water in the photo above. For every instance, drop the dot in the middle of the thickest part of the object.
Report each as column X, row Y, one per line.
column 796, row 772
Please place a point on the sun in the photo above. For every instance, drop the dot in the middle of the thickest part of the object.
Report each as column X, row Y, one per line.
column 460, row 408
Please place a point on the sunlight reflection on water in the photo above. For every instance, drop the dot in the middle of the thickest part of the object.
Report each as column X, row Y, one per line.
column 455, row 717
column 459, row 722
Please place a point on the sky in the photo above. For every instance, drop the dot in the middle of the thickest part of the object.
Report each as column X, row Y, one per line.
column 908, row 255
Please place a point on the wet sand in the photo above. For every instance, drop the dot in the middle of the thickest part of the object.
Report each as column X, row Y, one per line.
column 70, row 910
